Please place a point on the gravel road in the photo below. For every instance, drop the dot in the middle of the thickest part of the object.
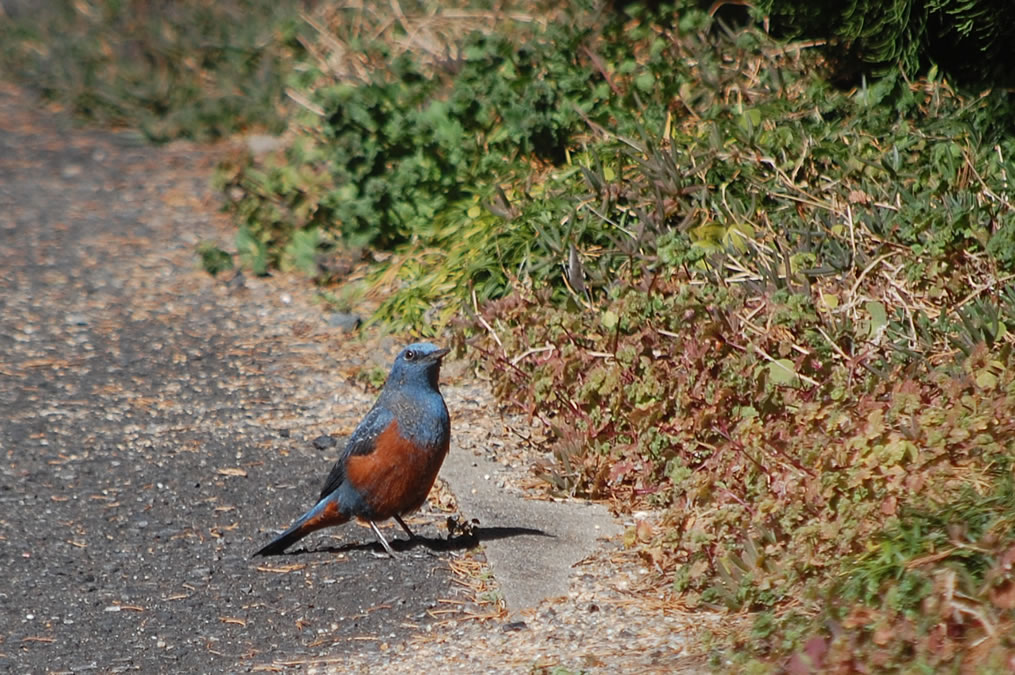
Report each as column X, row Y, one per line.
column 156, row 429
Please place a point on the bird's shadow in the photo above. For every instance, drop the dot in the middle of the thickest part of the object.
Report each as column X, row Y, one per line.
column 401, row 544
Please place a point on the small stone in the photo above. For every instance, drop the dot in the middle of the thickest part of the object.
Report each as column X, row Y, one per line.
column 345, row 321
column 238, row 282
column 323, row 442
column 515, row 626
column 200, row 572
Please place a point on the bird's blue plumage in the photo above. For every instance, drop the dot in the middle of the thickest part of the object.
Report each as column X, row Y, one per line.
column 411, row 406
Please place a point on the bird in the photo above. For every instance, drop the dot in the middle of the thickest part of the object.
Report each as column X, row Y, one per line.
column 392, row 458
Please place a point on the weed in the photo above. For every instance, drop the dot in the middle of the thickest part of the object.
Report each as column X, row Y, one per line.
column 964, row 37
column 214, row 259
column 782, row 346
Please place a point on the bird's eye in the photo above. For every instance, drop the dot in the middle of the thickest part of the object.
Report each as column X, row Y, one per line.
column 410, row 355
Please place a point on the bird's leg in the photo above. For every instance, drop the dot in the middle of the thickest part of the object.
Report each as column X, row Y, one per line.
column 380, row 537
column 412, row 537
column 405, row 527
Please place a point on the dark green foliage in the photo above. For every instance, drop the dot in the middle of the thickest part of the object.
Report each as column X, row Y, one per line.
column 426, row 153
column 1002, row 244
column 252, row 252
column 388, row 156
column 968, row 39
column 214, row 259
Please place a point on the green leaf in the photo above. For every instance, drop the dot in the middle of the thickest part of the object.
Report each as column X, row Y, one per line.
column 986, row 379
column 879, row 317
column 214, row 259
column 301, row 252
column 736, row 237
column 782, row 372
column 747, row 412
column 646, row 81
column 252, row 252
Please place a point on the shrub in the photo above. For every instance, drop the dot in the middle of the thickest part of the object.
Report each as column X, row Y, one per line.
column 968, row 39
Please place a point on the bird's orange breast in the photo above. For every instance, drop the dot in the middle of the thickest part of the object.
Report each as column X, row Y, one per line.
column 396, row 477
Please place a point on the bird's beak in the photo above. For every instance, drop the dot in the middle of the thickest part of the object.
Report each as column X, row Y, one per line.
column 439, row 354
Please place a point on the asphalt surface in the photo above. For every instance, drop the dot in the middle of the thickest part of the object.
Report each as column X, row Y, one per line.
column 152, row 437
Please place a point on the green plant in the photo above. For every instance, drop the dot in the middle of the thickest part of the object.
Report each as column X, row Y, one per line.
column 777, row 341
column 419, row 152
column 213, row 258
column 380, row 160
column 966, row 37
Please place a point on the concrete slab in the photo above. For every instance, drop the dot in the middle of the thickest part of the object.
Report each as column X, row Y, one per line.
column 532, row 545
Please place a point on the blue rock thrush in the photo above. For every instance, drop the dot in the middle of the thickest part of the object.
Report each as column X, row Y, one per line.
column 392, row 458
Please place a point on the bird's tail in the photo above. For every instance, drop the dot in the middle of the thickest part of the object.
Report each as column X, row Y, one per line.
column 324, row 514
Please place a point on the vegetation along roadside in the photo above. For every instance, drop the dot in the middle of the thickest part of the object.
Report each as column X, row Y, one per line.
column 764, row 286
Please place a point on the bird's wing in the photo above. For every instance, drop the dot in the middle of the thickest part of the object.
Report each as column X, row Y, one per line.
column 362, row 442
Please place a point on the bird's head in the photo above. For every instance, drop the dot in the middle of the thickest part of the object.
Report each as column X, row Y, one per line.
column 417, row 364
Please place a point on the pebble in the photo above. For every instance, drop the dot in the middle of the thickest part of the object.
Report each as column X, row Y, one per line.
column 347, row 322
column 323, row 442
